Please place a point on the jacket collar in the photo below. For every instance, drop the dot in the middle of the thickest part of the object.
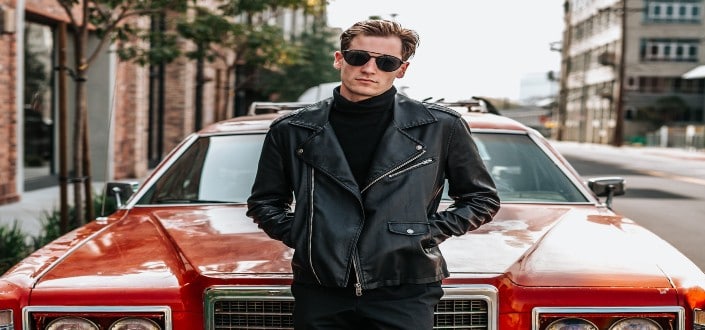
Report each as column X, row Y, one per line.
column 322, row 149
column 407, row 113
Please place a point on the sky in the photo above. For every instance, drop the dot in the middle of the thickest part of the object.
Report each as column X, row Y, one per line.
column 467, row 47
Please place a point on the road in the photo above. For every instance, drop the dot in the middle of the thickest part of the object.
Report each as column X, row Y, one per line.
column 665, row 189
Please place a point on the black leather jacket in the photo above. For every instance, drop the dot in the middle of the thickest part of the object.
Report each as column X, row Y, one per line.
column 387, row 231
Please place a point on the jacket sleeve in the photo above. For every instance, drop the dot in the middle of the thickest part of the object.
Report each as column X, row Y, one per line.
column 469, row 185
column 269, row 205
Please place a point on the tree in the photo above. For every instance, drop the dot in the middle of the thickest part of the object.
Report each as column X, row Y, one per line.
column 231, row 33
column 235, row 34
column 313, row 66
column 218, row 37
column 110, row 20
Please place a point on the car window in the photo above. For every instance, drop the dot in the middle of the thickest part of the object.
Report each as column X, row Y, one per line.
column 221, row 169
column 216, row 169
column 522, row 171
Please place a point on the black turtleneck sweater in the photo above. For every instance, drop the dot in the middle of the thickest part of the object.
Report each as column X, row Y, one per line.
column 359, row 127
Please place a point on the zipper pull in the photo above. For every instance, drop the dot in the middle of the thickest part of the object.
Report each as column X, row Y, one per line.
column 358, row 289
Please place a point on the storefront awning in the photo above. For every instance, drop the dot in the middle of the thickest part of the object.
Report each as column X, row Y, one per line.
column 695, row 73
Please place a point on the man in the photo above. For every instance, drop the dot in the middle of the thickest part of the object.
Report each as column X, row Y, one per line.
column 367, row 169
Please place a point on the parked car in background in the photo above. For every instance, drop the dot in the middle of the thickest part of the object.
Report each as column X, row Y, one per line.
column 181, row 254
column 318, row 92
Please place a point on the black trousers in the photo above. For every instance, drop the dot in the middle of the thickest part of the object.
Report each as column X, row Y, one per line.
column 407, row 307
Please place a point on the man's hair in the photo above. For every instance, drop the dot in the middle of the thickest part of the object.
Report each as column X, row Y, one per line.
column 382, row 28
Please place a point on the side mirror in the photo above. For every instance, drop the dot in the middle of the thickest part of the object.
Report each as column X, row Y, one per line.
column 607, row 187
column 119, row 192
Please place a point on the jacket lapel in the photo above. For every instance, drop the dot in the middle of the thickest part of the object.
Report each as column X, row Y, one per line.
column 397, row 147
column 322, row 149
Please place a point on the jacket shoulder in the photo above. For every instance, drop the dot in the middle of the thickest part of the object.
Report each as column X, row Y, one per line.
column 434, row 107
column 293, row 114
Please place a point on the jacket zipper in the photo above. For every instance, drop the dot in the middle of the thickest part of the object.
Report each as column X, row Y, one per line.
column 417, row 165
column 358, row 285
column 310, row 227
column 393, row 170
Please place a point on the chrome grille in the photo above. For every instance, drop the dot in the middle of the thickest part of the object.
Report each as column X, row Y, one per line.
column 253, row 314
column 461, row 314
column 234, row 308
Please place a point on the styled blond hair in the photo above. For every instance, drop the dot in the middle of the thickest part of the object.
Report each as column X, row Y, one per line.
column 382, row 28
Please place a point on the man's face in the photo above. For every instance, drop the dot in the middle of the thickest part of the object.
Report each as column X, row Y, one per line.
column 362, row 82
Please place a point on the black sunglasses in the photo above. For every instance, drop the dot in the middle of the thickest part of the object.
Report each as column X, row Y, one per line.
column 387, row 63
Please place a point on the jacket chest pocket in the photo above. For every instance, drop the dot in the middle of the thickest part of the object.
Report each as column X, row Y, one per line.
column 409, row 228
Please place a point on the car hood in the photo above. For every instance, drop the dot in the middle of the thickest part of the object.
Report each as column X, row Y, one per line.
column 533, row 245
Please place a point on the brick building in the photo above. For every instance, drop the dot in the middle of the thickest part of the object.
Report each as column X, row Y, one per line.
column 136, row 114
column 8, row 113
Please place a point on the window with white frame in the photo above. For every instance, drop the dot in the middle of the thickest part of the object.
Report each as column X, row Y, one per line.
column 673, row 11
column 675, row 50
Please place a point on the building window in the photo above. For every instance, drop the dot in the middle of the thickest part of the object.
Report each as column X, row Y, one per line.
column 632, row 83
column 38, row 106
column 670, row 50
column 667, row 85
column 663, row 11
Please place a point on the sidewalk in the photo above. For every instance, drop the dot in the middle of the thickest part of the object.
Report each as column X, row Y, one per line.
column 674, row 163
column 30, row 211
column 666, row 153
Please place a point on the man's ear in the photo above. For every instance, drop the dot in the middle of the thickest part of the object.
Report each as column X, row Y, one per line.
column 402, row 70
column 337, row 60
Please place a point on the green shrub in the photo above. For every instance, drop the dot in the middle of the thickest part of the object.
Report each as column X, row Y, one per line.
column 51, row 222
column 16, row 245
column 13, row 246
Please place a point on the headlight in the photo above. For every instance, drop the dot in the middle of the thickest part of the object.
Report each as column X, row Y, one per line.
column 6, row 320
column 71, row 323
column 133, row 323
column 635, row 323
column 571, row 324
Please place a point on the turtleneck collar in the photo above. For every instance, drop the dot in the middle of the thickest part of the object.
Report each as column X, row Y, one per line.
column 384, row 101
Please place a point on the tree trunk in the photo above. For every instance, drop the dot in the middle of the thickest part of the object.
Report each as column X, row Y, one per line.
column 79, row 97
column 87, row 172
column 63, row 137
column 81, row 159
column 230, row 91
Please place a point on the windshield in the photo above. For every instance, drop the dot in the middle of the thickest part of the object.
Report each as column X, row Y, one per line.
column 221, row 169
column 522, row 172
column 215, row 169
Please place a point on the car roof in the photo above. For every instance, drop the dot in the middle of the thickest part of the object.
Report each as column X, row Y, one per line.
column 478, row 120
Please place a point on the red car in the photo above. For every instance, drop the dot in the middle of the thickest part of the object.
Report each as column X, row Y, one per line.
column 181, row 254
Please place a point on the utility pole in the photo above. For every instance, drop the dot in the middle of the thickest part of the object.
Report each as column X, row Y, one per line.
column 618, row 137
column 565, row 61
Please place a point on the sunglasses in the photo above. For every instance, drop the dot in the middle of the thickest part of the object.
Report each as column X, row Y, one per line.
column 387, row 63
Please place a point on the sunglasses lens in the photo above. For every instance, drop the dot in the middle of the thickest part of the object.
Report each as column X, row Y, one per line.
column 356, row 57
column 388, row 63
